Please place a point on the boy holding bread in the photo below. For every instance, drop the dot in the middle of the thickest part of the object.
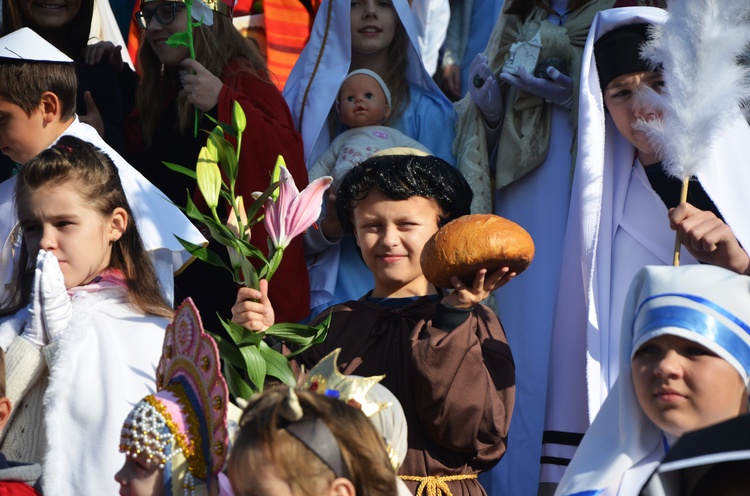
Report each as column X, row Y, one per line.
column 443, row 354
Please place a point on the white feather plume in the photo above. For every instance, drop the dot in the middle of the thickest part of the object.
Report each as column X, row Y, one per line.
column 698, row 49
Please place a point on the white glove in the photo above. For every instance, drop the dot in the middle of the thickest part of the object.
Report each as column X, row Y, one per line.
column 559, row 90
column 50, row 309
column 485, row 90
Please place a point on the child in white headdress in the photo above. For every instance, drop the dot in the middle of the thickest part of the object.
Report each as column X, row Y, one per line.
column 684, row 365
column 623, row 212
column 363, row 104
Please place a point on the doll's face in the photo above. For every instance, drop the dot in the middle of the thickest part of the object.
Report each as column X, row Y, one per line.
column 362, row 102
column 140, row 476
column 626, row 109
column 373, row 24
column 682, row 386
column 48, row 16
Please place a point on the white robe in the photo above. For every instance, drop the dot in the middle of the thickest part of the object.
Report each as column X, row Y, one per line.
column 99, row 368
column 615, row 227
column 623, row 446
column 158, row 219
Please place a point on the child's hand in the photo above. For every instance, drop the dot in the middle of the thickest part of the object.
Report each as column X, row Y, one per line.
column 202, row 87
column 50, row 309
column 484, row 284
column 106, row 51
column 92, row 117
column 253, row 309
column 330, row 224
column 708, row 238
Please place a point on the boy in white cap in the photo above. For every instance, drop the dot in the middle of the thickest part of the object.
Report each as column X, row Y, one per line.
column 37, row 107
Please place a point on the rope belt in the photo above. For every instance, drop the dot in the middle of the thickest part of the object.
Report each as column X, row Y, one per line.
column 435, row 485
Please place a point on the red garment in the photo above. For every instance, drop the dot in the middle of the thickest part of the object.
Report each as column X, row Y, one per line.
column 9, row 488
column 270, row 132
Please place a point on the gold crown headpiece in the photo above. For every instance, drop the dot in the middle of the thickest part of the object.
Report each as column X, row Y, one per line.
column 325, row 378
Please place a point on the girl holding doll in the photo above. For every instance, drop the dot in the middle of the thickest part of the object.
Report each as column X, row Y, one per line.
column 346, row 36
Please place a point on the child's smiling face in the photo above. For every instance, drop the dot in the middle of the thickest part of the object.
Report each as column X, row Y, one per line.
column 391, row 235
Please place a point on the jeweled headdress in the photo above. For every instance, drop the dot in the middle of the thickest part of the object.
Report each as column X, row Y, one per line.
column 183, row 426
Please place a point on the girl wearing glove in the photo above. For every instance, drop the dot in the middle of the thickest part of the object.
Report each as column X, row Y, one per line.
column 515, row 136
column 85, row 347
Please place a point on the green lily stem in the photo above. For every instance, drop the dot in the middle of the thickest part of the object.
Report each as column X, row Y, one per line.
column 191, row 47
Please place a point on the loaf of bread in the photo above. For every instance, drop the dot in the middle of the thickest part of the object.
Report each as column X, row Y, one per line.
column 472, row 242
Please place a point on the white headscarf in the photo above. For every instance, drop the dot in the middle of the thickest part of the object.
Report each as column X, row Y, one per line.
column 313, row 84
column 602, row 173
column 701, row 303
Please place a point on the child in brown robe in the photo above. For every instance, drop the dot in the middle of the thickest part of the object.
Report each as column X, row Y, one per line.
column 445, row 356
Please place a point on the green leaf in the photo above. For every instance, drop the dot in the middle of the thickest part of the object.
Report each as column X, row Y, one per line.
column 277, row 365
column 253, row 210
column 228, row 351
column 249, row 274
column 255, row 366
column 239, row 334
column 249, row 250
column 236, row 384
column 180, row 169
column 203, row 253
column 192, row 211
column 292, row 333
column 181, row 38
column 227, row 128
column 316, row 339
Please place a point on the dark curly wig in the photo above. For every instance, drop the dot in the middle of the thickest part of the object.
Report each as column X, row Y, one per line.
column 400, row 177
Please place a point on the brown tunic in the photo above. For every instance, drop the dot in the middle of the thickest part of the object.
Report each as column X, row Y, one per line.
column 457, row 388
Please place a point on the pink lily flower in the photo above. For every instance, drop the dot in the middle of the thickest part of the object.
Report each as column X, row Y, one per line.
column 293, row 212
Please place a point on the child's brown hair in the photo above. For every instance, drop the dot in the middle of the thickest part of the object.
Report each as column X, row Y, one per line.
column 265, row 441
column 24, row 83
column 98, row 180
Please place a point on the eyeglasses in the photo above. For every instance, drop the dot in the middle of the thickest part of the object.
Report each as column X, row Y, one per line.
column 164, row 13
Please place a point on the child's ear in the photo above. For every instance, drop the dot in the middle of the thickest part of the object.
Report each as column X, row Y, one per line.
column 51, row 107
column 118, row 223
column 342, row 487
column 387, row 111
column 5, row 409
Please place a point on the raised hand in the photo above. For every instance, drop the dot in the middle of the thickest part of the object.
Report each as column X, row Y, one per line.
column 469, row 296
column 50, row 309
column 558, row 90
column 485, row 90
